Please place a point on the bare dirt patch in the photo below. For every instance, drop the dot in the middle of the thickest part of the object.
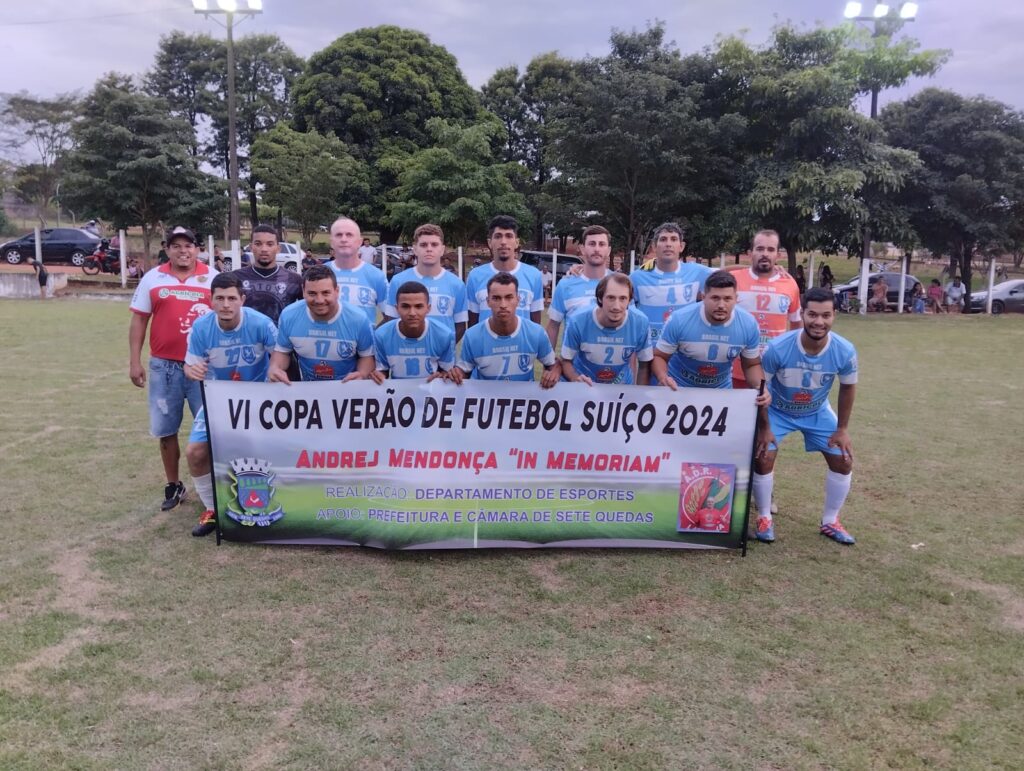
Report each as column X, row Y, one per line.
column 47, row 658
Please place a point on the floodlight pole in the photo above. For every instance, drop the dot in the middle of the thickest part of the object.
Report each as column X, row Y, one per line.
column 234, row 226
column 233, row 211
column 892, row 21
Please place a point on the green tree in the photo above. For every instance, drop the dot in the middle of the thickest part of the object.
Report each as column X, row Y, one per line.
column 42, row 128
column 456, row 183
column 265, row 72
column 968, row 197
column 132, row 164
column 375, row 89
column 310, row 176
column 185, row 73
column 626, row 140
column 809, row 166
column 525, row 105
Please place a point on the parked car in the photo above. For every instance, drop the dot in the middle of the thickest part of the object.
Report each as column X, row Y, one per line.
column 1006, row 296
column 846, row 292
column 58, row 244
column 288, row 256
column 563, row 264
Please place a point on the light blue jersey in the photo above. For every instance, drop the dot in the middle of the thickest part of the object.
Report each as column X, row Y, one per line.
column 800, row 383
column 447, row 296
column 363, row 286
column 492, row 357
column 573, row 294
column 242, row 353
column 659, row 294
column 414, row 357
column 702, row 352
column 531, row 291
column 326, row 350
column 603, row 353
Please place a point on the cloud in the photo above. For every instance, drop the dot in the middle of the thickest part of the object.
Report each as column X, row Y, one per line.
column 75, row 47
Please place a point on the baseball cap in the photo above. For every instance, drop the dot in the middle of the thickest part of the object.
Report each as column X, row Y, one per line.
column 178, row 232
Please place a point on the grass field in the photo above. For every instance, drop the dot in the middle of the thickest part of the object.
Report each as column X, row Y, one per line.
column 125, row 643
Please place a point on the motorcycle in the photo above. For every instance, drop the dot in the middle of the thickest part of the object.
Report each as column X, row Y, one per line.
column 103, row 259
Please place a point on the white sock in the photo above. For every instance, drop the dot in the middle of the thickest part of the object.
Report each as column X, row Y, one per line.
column 761, row 486
column 837, row 487
column 204, row 487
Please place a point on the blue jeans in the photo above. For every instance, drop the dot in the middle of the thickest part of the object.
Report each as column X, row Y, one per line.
column 168, row 391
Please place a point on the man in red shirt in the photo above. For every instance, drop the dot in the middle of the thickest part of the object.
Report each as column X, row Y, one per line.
column 173, row 295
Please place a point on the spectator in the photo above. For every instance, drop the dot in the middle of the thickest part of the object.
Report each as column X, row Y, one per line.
column 827, row 278
column 92, row 227
column 878, row 299
column 801, row 280
column 545, row 280
column 917, row 297
column 935, row 297
column 955, row 292
column 162, row 258
column 367, row 252
column 41, row 274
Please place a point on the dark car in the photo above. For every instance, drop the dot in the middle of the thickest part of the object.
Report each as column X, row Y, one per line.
column 846, row 292
column 562, row 266
column 62, row 244
column 1007, row 296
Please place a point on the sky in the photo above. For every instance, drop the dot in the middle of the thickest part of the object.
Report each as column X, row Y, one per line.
column 56, row 46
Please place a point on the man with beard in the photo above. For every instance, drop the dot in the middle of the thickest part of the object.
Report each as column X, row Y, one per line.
column 503, row 241
column 172, row 296
column 801, row 367
column 268, row 287
column 699, row 343
column 601, row 342
column 576, row 292
column 331, row 340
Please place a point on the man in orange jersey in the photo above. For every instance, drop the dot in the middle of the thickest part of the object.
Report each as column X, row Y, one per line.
column 770, row 294
column 767, row 292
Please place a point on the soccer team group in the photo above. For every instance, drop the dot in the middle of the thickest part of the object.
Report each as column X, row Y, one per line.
column 680, row 324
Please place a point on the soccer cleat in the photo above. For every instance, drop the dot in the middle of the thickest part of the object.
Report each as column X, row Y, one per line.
column 764, row 530
column 174, row 493
column 838, row 533
column 207, row 524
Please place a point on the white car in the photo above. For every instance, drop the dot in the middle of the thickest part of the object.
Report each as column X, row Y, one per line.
column 289, row 256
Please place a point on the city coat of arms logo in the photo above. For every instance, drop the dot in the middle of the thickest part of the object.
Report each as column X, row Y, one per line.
column 252, row 489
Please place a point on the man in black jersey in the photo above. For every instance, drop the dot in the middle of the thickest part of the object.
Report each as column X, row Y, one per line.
column 268, row 287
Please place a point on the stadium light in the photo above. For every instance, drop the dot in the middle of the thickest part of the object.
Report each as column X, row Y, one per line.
column 854, row 11
column 229, row 9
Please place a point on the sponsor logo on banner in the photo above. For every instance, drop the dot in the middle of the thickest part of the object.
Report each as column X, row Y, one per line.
column 705, row 497
column 252, row 492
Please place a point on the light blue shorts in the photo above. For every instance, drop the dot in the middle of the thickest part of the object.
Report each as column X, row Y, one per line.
column 198, row 432
column 817, row 428
column 169, row 389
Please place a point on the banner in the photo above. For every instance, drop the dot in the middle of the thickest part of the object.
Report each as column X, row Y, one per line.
column 416, row 465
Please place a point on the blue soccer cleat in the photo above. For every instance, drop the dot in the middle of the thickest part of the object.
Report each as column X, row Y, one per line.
column 838, row 533
column 764, row 530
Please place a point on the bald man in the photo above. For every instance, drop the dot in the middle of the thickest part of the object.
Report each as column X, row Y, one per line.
column 360, row 284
